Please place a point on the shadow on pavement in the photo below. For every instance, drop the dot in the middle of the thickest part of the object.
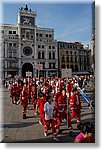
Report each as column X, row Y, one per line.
column 19, row 125
column 62, row 139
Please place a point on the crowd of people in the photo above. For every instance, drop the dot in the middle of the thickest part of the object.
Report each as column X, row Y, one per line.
column 54, row 99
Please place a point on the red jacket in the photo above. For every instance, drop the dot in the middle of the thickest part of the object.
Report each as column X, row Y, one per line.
column 61, row 103
column 74, row 101
column 41, row 103
column 56, row 96
column 24, row 98
column 13, row 90
column 68, row 88
column 19, row 87
column 33, row 95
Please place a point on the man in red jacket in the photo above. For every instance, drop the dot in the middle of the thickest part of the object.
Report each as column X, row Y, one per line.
column 75, row 105
column 63, row 110
column 24, row 101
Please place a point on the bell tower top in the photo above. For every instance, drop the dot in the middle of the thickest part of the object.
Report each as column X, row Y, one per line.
column 26, row 16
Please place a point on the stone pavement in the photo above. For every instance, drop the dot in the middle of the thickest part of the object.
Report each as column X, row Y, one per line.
column 18, row 130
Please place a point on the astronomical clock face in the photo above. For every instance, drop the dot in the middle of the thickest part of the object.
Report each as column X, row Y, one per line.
column 27, row 51
column 25, row 20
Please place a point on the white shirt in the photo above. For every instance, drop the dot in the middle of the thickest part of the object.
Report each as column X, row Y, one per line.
column 48, row 108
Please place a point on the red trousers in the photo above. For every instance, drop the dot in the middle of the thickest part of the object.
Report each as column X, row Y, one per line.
column 53, row 125
column 76, row 112
column 62, row 116
column 42, row 118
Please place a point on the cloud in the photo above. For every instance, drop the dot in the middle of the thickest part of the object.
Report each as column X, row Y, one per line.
column 76, row 30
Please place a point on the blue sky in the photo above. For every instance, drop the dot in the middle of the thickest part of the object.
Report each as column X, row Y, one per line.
column 70, row 21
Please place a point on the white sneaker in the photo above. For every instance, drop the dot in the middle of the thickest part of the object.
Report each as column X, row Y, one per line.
column 45, row 133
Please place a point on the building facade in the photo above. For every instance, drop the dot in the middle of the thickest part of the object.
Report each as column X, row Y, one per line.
column 73, row 55
column 27, row 47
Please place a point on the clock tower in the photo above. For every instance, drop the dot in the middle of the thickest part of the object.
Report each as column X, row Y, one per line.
column 27, row 39
column 26, row 16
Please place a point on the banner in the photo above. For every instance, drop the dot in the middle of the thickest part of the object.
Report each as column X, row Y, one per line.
column 66, row 73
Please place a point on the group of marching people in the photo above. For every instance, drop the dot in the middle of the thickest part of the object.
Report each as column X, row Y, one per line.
column 54, row 99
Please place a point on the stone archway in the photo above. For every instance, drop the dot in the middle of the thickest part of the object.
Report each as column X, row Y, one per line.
column 27, row 67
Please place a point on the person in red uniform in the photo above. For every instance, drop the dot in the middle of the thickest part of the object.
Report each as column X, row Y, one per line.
column 33, row 95
column 75, row 106
column 19, row 86
column 29, row 88
column 56, row 96
column 19, row 89
column 40, row 105
column 13, row 93
column 63, row 110
column 62, row 84
column 24, row 101
column 68, row 89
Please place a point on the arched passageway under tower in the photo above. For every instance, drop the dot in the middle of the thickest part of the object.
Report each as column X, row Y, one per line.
column 27, row 67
